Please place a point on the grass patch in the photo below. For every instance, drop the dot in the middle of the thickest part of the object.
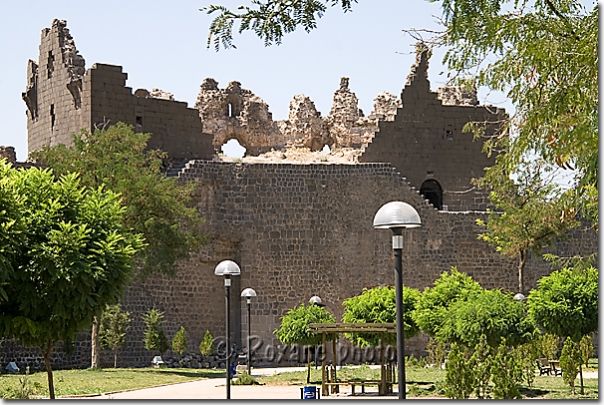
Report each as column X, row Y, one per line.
column 292, row 378
column 90, row 381
column 592, row 365
column 425, row 381
column 554, row 388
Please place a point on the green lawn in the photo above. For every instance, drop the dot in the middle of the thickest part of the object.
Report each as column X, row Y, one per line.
column 79, row 382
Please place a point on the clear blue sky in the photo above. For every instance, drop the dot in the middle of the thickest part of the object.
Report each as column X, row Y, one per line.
column 163, row 44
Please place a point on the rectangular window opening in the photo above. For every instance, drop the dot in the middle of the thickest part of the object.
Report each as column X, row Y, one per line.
column 50, row 66
column 52, row 117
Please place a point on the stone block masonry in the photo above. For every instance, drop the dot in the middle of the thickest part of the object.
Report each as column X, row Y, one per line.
column 303, row 230
column 299, row 230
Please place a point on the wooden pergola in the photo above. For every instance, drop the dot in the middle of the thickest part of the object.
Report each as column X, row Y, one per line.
column 386, row 375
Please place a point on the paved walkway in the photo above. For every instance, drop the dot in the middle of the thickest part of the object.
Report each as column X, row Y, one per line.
column 215, row 388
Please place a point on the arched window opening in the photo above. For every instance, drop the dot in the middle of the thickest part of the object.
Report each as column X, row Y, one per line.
column 432, row 192
column 230, row 110
column 326, row 148
column 233, row 149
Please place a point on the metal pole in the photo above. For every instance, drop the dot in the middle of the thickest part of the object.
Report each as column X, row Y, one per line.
column 227, row 287
column 397, row 245
column 249, row 344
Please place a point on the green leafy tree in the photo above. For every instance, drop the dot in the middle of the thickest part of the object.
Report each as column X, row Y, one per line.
column 269, row 21
column 206, row 347
column 294, row 327
column 155, row 338
column 378, row 305
column 566, row 303
column 431, row 309
column 543, row 56
column 525, row 218
column 157, row 207
column 68, row 255
column 114, row 324
column 570, row 362
column 491, row 313
column 179, row 341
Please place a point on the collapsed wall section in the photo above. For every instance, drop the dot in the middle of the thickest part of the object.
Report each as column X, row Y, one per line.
column 237, row 113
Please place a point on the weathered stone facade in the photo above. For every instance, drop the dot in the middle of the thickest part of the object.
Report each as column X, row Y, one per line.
column 299, row 230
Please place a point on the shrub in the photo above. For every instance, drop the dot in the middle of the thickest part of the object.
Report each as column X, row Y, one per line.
column 549, row 345
column 114, row 324
column 528, row 353
column 570, row 360
column 481, row 363
column 155, row 338
column 436, row 352
column 179, row 341
column 459, row 379
column 587, row 349
column 507, row 373
column 206, row 347
column 245, row 379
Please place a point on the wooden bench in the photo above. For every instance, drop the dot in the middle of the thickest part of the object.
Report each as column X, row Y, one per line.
column 354, row 383
column 548, row 367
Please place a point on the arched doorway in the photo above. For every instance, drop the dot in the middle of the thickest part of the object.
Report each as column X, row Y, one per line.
column 432, row 192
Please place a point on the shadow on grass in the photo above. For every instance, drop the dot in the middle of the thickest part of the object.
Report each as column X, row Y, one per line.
column 533, row 392
column 193, row 373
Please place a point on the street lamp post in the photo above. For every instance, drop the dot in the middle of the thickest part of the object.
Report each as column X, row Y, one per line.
column 248, row 293
column 315, row 300
column 227, row 269
column 396, row 216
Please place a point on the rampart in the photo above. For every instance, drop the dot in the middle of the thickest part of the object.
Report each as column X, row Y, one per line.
column 301, row 230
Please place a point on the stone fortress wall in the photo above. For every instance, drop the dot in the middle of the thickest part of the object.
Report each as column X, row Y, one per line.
column 296, row 230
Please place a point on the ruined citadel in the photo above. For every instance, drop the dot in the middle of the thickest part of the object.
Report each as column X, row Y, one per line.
column 296, row 218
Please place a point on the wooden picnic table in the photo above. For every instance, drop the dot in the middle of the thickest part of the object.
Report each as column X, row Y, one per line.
column 387, row 375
